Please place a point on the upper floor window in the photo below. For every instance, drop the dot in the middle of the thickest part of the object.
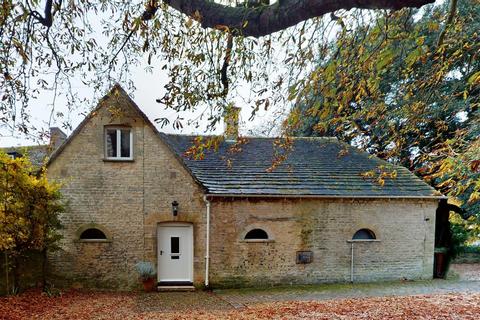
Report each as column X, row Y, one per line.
column 118, row 143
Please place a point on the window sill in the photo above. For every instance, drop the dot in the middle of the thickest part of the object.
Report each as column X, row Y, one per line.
column 118, row 160
column 364, row 240
column 257, row 240
column 93, row 240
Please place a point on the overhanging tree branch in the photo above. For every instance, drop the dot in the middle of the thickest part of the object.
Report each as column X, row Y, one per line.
column 252, row 21
column 264, row 20
column 47, row 19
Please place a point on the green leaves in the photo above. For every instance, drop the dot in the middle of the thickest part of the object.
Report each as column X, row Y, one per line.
column 388, row 88
column 474, row 79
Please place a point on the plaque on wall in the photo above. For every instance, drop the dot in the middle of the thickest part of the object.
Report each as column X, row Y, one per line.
column 304, row 257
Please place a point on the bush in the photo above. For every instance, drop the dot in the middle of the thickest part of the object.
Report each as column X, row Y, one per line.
column 459, row 236
column 470, row 249
column 29, row 213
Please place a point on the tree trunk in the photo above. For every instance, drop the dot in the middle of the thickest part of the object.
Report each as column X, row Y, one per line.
column 7, row 283
column 16, row 273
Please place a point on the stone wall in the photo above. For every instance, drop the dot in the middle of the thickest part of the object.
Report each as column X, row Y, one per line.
column 127, row 199
column 404, row 250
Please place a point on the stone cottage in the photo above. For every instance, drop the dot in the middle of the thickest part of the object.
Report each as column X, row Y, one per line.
column 246, row 212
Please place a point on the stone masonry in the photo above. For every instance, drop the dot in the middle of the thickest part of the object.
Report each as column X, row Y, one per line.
column 404, row 250
column 129, row 199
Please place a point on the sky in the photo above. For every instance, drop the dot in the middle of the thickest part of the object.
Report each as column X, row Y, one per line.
column 149, row 87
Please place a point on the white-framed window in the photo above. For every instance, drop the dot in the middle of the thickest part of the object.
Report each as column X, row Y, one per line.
column 118, row 143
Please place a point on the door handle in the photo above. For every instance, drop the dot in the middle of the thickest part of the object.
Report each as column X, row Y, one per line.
column 161, row 252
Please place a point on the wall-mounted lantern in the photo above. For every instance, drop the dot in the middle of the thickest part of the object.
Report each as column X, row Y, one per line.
column 174, row 208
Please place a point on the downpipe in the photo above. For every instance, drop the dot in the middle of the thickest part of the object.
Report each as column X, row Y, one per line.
column 207, row 241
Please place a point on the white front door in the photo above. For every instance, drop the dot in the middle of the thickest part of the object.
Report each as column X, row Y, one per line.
column 175, row 253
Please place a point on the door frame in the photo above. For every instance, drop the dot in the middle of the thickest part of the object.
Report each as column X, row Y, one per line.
column 192, row 245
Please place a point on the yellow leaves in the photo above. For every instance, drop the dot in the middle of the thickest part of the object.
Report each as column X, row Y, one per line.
column 324, row 113
column 380, row 174
column 320, row 127
column 447, row 166
column 474, row 197
column 433, row 26
column 197, row 16
column 474, row 79
column 19, row 46
column 29, row 205
column 201, row 145
column 361, row 92
column 446, row 184
column 223, row 28
column 420, row 41
column 385, row 59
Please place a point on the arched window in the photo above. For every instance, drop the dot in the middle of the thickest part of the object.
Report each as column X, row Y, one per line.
column 93, row 234
column 256, row 234
column 364, row 234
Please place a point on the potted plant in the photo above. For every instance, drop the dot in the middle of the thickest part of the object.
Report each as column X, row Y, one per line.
column 146, row 271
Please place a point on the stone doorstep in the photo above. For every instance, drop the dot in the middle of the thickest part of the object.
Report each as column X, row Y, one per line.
column 175, row 288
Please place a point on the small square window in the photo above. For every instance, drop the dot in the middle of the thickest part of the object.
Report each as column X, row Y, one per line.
column 118, row 144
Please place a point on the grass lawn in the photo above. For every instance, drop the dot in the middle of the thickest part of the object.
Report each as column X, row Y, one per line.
column 202, row 305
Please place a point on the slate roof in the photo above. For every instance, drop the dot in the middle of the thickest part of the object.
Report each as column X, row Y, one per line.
column 36, row 154
column 314, row 167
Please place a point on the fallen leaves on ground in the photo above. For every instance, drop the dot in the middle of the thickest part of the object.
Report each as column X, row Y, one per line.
column 108, row 305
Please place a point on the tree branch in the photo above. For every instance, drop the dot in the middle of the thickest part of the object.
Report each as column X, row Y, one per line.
column 47, row 19
column 451, row 14
column 264, row 20
column 226, row 63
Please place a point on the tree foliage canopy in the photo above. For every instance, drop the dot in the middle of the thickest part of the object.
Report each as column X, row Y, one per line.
column 206, row 47
column 403, row 84
column 407, row 89
column 29, row 207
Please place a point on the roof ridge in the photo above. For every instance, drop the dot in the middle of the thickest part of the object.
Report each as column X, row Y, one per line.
column 250, row 137
column 27, row 146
